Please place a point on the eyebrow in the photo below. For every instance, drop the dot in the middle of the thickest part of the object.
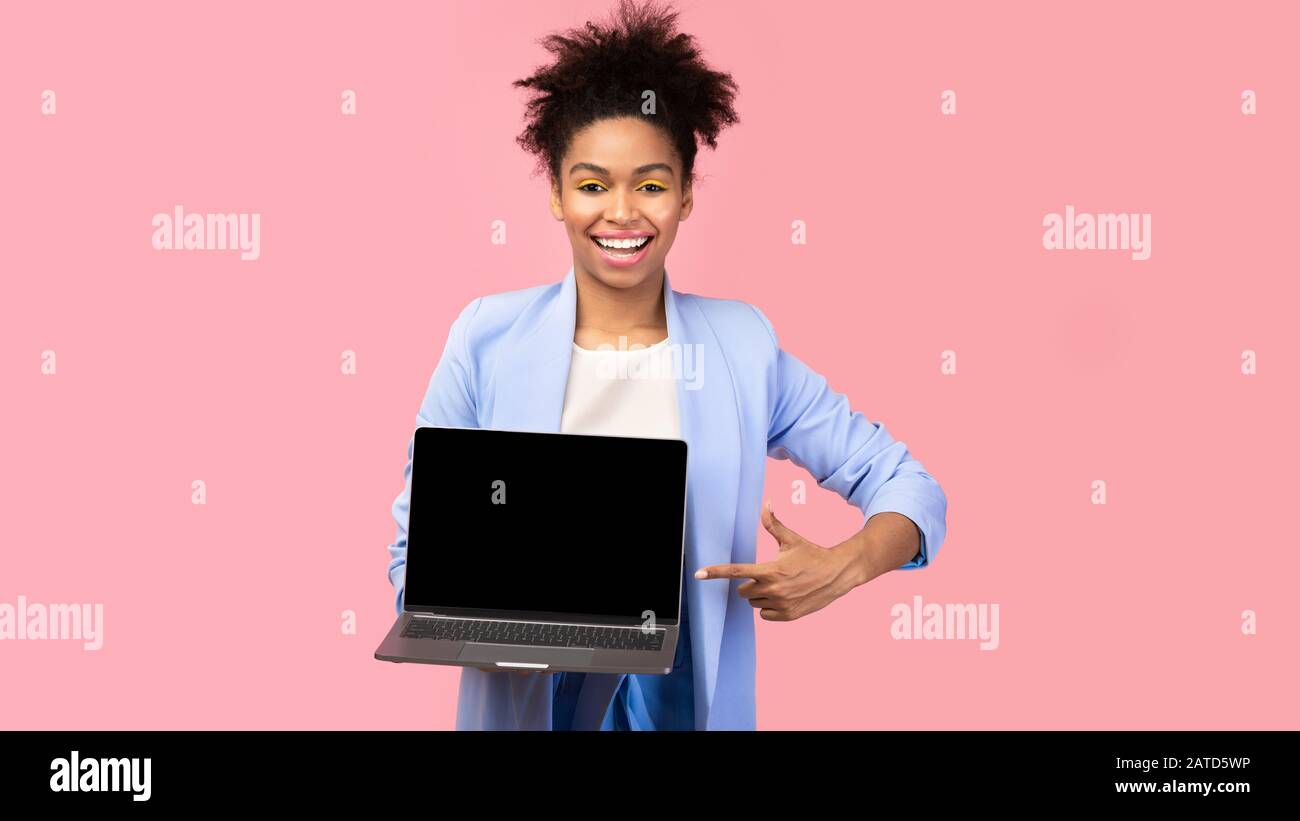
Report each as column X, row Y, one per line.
column 654, row 166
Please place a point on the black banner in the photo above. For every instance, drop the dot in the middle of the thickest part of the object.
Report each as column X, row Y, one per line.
column 1218, row 770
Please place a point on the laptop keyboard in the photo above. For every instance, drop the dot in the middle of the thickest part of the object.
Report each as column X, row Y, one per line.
column 534, row 633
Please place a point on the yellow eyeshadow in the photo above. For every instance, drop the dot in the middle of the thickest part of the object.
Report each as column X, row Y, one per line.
column 654, row 182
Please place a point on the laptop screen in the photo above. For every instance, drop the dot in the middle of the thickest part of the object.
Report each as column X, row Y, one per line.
column 548, row 526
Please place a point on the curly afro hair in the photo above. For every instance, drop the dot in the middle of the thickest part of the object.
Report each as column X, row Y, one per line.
column 602, row 72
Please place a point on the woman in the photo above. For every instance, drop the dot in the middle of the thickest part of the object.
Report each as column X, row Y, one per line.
column 589, row 354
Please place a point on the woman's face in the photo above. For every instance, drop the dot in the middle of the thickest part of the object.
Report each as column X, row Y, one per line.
column 621, row 180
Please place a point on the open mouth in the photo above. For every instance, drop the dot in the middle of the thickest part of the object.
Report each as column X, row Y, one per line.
column 635, row 249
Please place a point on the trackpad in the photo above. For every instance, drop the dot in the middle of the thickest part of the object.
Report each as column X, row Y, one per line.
column 555, row 656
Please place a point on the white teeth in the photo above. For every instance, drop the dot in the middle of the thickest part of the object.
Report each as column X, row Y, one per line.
column 632, row 242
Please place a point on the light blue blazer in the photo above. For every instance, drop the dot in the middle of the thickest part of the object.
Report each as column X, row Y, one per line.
column 505, row 366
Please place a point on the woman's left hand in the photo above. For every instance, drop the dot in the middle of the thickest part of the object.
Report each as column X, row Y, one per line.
column 803, row 578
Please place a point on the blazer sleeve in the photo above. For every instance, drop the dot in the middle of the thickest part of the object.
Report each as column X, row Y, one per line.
column 448, row 401
column 814, row 427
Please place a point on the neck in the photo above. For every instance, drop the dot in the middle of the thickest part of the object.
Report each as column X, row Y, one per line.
column 619, row 310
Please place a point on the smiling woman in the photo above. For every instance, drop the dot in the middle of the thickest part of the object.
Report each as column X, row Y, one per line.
column 614, row 123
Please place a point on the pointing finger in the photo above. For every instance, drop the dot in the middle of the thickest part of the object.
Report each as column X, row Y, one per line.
column 735, row 571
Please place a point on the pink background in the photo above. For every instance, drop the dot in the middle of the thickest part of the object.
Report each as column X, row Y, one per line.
column 924, row 235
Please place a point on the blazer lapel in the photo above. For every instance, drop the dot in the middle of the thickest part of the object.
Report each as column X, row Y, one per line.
column 533, row 368
column 710, row 422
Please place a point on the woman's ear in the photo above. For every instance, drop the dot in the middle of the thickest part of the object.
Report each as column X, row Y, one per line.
column 557, row 206
column 688, row 202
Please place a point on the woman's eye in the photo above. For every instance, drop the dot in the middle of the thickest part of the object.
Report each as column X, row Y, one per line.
column 587, row 187
column 658, row 187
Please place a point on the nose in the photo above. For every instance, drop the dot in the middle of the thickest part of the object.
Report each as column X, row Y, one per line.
column 620, row 208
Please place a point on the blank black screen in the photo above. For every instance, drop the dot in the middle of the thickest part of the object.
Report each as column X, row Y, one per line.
column 590, row 525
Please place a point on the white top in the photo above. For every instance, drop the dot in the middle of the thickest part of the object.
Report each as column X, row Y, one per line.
column 622, row 392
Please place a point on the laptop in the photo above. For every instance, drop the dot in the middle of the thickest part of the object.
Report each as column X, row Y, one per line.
column 543, row 551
